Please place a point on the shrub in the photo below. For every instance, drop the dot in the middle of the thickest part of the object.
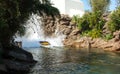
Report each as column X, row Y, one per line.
column 114, row 23
column 90, row 24
column 90, row 21
column 83, row 22
column 108, row 37
column 76, row 18
column 94, row 33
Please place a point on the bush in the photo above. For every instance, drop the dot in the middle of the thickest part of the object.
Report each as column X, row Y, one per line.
column 76, row 18
column 96, row 21
column 89, row 21
column 114, row 23
column 108, row 37
column 94, row 33
column 90, row 24
column 83, row 22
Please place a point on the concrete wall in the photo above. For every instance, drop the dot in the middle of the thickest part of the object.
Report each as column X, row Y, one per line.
column 70, row 7
column 60, row 4
column 74, row 7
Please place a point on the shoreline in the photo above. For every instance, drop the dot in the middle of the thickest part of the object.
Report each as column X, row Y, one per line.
column 88, row 42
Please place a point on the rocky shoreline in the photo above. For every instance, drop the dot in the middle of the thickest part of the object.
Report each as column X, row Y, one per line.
column 15, row 60
column 87, row 42
column 74, row 39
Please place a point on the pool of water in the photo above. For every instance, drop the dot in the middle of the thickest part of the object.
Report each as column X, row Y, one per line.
column 59, row 60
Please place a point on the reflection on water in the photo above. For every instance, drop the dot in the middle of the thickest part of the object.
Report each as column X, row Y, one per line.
column 74, row 61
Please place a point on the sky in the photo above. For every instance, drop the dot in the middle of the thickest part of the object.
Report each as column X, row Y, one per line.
column 87, row 6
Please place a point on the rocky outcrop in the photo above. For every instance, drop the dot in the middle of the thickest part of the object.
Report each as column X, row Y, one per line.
column 68, row 28
column 49, row 25
column 63, row 25
column 87, row 42
column 113, row 44
column 83, row 42
column 15, row 59
column 18, row 54
column 14, row 65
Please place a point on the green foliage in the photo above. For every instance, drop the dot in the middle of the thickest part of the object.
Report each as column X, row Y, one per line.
column 90, row 21
column 96, row 20
column 114, row 23
column 99, row 5
column 76, row 18
column 83, row 23
column 94, row 33
column 90, row 24
column 108, row 37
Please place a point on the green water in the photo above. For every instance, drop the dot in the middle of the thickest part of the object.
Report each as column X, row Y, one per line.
column 73, row 61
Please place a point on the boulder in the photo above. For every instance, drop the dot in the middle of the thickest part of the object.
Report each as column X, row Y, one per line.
column 67, row 31
column 116, row 35
column 112, row 46
column 98, row 43
column 16, row 59
column 3, row 69
column 68, row 42
column 13, row 65
column 76, row 44
column 75, row 32
column 83, row 42
column 17, row 53
column 65, row 18
column 64, row 22
column 116, row 46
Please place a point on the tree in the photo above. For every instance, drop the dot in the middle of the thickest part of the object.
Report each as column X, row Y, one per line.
column 13, row 13
column 99, row 5
column 114, row 22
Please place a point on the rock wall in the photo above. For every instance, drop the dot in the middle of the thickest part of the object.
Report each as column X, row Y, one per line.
column 49, row 25
column 87, row 42
column 65, row 26
column 62, row 25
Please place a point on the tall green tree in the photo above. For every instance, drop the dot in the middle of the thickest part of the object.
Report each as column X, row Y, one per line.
column 99, row 5
column 13, row 13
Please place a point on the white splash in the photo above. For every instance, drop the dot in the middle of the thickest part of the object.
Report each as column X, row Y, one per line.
column 34, row 34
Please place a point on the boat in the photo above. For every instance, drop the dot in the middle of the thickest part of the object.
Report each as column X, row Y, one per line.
column 44, row 43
